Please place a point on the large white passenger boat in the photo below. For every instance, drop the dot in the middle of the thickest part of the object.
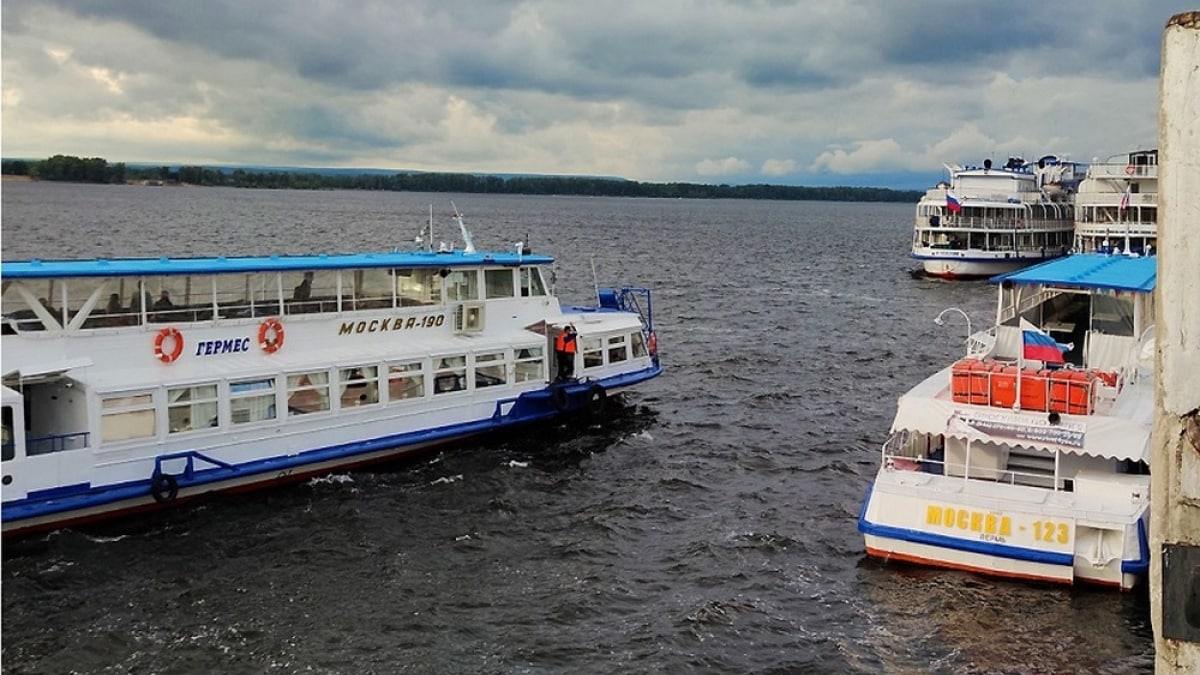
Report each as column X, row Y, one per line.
column 987, row 220
column 137, row 383
column 1008, row 464
column 1116, row 209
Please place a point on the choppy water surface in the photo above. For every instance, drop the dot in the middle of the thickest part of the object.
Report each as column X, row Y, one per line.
column 708, row 527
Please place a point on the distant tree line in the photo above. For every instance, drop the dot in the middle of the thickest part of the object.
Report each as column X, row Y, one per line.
column 97, row 170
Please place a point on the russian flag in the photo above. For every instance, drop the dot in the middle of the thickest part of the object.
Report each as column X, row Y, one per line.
column 952, row 202
column 1037, row 346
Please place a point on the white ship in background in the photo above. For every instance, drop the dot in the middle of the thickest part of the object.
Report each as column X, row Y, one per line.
column 991, row 220
column 1116, row 209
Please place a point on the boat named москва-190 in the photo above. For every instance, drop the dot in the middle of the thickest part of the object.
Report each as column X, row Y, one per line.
column 131, row 384
column 1029, row 457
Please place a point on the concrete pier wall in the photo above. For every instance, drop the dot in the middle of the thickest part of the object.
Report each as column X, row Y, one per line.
column 1175, row 462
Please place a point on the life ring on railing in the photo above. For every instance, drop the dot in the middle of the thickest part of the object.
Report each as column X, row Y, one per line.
column 652, row 344
column 596, row 401
column 176, row 338
column 1130, row 170
column 560, row 399
column 270, row 336
column 164, row 488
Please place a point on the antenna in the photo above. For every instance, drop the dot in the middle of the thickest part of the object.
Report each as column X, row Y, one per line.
column 595, row 284
column 468, row 245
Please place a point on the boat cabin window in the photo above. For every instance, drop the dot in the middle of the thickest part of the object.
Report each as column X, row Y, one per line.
column 252, row 400
column 405, row 381
column 127, row 416
column 307, row 393
column 244, row 295
column 593, row 351
column 637, row 343
column 418, row 286
column 462, row 285
column 32, row 304
column 368, row 288
column 449, row 374
column 531, row 282
column 617, row 349
column 490, row 370
column 193, row 407
column 1112, row 314
column 530, row 364
column 8, row 447
column 499, row 283
column 311, row 291
column 358, row 386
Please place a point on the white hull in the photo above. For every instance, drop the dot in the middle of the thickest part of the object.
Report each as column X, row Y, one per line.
column 965, row 265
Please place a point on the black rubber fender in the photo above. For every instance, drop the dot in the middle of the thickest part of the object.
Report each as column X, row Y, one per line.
column 560, row 399
column 597, row 400
column 164, row 488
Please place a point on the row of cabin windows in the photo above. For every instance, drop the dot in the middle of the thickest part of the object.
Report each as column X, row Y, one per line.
column 195, row 407
column 135, row 415
column 33, row 304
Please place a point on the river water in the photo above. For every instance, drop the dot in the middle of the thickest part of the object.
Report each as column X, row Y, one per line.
column 709, row 527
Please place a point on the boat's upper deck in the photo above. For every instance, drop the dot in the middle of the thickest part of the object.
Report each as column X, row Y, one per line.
column 44, row 269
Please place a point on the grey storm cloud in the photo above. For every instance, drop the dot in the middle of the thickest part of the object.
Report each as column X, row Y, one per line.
column 669, row 90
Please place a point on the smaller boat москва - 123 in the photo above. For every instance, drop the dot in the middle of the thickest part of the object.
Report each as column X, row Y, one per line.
column 1029, row 457
column 132, row 384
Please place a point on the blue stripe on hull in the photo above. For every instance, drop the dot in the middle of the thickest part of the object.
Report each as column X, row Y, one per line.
column 529, row 407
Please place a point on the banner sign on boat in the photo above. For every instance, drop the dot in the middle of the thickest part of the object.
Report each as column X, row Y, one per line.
column 1016, row 427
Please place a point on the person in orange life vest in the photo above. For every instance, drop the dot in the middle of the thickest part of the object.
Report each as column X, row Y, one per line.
column 565, row 346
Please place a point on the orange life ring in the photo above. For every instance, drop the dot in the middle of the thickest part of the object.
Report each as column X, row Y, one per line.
column 177, row 341
column 270, row 336
column 653, row 344
column 1129, row 170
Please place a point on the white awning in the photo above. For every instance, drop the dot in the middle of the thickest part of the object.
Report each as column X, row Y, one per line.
column 928, row 409
column 42, row 372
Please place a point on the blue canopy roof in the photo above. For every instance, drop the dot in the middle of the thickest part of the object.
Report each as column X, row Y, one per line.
column 42, row 269
column 1117, row 272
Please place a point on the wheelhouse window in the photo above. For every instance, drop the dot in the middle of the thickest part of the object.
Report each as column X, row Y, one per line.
column 462, row 285
column 450, row 374
column 126, row 417
column 531, row 282
column 307, row 392
column 499, row 283
column 405, row 381
column 490, row 369
column 193, row 407
column 252, row 400
column 530, row 364
column 359, row 386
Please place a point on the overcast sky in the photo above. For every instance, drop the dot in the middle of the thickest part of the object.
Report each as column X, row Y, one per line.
column 847, row 92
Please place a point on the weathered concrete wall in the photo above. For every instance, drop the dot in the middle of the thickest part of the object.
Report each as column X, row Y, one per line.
column 1175, row 462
